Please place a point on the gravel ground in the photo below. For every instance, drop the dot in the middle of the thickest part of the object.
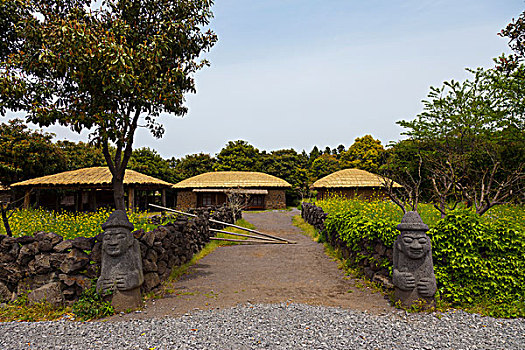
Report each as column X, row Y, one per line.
column 278, row 326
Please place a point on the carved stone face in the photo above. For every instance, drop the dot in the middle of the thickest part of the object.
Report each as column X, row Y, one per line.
column 117, row 241
column 415, row 244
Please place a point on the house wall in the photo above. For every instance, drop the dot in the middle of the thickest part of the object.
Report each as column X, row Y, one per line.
column 275, row 199
column 363, row 193
column 186, row 199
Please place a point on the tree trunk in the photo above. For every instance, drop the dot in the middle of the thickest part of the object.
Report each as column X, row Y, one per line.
column 5, row 220
column 118, row 192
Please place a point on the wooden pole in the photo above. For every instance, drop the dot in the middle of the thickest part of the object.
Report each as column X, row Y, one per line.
column 131, row 199
column 27, row 199
column 245, row 240
column 163, row 197
column 241, row 235
column 227, row 224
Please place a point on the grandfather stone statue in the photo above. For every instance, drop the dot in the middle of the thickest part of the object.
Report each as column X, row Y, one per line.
column 413, row 274
column 121, row 263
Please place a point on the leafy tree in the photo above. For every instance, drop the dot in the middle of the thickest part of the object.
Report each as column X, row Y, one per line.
column 80, row 155
column 10, row 13
column 515, row 31
column 108, row 70
column 238, row 156
column 465, row 129
column 26, row 154
column 192, row 165
column 341, row 149
column 149, row 162
column 324, row 165
column 314, row 153
column 290, row 166
column 365, row 153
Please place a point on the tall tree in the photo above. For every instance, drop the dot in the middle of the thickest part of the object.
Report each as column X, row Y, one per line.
column 192, row 165
column 365, row 153
column 324, row 165
column 108, row 70
column 237, row 156
column 26, row 153
column 80, row 155
column 149, row 162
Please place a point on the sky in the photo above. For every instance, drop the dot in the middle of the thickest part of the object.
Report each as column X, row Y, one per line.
column 299, row 73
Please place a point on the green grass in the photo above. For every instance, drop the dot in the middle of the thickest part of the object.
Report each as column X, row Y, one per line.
column 22, row 311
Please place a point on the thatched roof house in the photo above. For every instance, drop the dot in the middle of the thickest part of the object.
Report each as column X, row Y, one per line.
column 262, row 191
column 88, row 188
column 351, row 183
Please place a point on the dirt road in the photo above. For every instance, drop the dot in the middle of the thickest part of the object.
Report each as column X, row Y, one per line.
column 232, row 275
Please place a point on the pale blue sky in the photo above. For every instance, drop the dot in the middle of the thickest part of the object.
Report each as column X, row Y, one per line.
column 299, row 73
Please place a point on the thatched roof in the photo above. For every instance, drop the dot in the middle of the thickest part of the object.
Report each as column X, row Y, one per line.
column 351, row 178
column 91, row 177
column 232, row 179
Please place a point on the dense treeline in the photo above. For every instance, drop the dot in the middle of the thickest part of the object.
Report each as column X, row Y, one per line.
column 26, row 153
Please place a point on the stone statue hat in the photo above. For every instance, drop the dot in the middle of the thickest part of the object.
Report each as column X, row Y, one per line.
column 118, row 219
column 412, row 222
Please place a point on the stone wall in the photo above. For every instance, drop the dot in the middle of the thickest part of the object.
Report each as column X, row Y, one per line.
column 45, row 261
column 366, row 256
column 275, row 199
column 186, row 199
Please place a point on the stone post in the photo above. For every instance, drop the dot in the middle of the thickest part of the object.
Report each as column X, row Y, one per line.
column 121, row 271
column 413, row 270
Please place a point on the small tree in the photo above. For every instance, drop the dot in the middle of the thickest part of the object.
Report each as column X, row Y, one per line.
column 109, row 70
column 463, row 132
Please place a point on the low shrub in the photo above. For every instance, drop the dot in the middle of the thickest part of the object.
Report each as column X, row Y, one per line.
column 479, row 261
column 91, row 305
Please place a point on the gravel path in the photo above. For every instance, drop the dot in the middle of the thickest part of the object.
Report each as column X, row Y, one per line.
column 277, row 326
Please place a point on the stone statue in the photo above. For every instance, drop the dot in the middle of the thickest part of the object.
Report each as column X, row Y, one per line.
column 121, row 270
column 413, row 272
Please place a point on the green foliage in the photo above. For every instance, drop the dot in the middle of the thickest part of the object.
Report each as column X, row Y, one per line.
column 466, row 133
column 91, row 305
column 324, row 165
column 109, row 69
column 80, row 155
column 478, row 261
column 149, row 162
column 25, row 154
column 365, row 153
column 237, row 156
column 69, row 225
column 192, row 165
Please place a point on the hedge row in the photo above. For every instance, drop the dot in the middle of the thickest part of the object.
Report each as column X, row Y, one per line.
column 479, row 261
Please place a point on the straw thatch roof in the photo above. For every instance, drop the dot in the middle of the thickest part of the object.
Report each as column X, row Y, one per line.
column 232, row 179
column 91, row 177
column 351, row 178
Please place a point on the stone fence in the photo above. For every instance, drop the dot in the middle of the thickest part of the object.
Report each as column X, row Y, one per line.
column 367, row 255
column 46, row 264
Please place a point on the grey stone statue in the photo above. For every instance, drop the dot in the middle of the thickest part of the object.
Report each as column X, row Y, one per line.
column 121, row 270
column 413, row 272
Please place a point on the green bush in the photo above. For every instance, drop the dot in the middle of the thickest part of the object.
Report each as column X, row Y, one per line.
column 479, row 261
column 91, row 305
